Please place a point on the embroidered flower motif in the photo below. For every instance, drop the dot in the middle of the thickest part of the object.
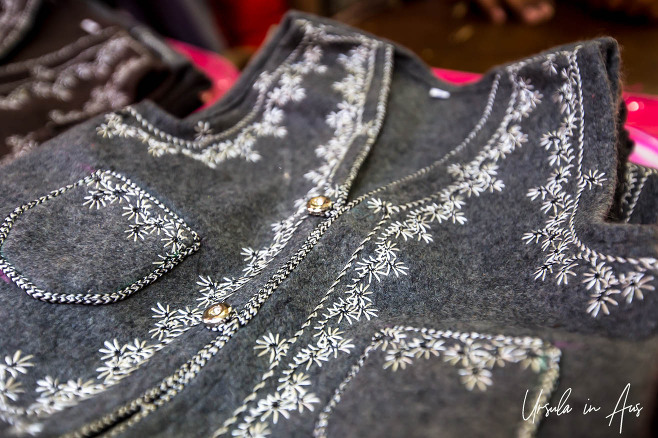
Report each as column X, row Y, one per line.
column 175, row 239
column 379, row 206
column 473, row 377
column 274, row 405
column 565, row 270
column 161, row 312
column 550, row 66
column 15, row 364
column 545, row 268
column 599, row 277
column 165, row 328
column 202, row 130
column 359, row 295
column 369, row 267
column 559, row 177
column 10, row 389
column 397, row 358
column 78, row 388
column 633, row 283
column 137, row 230
column 96, row 199
column 47, row 386
column 139, row 350
column 303, row 401
column 600, row 301
column 255, row 430
column 113, row 369
column 189, row 317
column 534, row 359
column 508, row 353
column 211, row 292
column 294, row 382
column 554, row 140
column 343, row 309
column 312, row 354
column 593, row 178
column 159, row 225
column 332, row 341
column 138, row 211
column 426, row 347
column 456, row 353
column 112, row 350
column 272, row 345
column 389, row 336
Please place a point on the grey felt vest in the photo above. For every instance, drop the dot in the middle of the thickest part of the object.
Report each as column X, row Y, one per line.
column 486, row 246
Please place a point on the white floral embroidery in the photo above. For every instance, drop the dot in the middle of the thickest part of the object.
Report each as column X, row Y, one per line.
column 272, row 345
column 118, row 359
column 475, row 354
column 566, row 256
column 471, row 180
column 274, row 95
column 107, row 189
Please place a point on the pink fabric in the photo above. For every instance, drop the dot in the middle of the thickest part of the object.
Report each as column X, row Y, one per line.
column 642, row 122
column 219, row 70
column 455, row 76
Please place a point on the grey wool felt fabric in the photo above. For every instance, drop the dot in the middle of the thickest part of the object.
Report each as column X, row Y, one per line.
column 487, row 268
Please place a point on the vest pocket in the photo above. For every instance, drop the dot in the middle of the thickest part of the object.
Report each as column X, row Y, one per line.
column 96, row 241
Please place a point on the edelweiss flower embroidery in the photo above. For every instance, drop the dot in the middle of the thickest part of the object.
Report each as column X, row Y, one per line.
column 566, row 256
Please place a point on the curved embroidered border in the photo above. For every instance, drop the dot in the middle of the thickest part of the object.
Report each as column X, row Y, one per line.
column 587, row 252
column 263, row 82
column 560, row 238
column 94, row 299
column 208, row 140
column 548, row 379
column 423, row 171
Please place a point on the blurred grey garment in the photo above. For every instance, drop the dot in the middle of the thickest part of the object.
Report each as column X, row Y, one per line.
column 469, row 261
column 190, row 22
column 16, row 19
column 75, row 60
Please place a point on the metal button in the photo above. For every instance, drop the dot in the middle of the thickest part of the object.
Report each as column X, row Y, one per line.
column 216, row 314
column 318, row 205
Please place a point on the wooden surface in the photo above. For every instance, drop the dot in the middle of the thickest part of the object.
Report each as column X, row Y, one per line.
column 453, row 37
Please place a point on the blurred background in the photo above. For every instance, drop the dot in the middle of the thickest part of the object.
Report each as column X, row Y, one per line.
column 63, row 61
column 454, row 34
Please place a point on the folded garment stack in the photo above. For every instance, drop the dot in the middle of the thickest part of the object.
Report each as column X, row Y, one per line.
column 64, row 61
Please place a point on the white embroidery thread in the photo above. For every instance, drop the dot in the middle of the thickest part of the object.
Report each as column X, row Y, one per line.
column 476, row 355
column 558, row 237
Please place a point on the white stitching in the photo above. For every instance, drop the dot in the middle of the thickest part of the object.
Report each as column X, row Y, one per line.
column 548, row 378
column 91, row 298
